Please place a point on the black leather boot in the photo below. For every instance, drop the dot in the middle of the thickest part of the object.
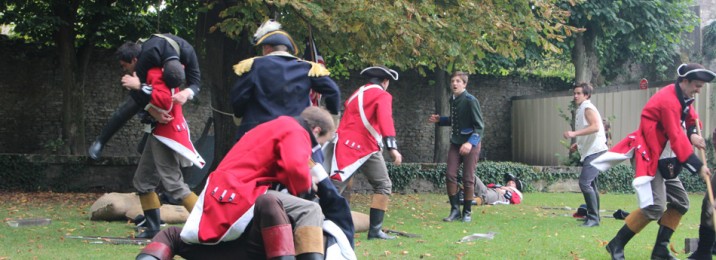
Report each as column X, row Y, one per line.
column 592, row 219
column 661, row 246
column 376, row 223
column 454, row 209
column 616, row 245
column 124, row 112
column 151, row 225
column 467, row 211
column 707, row 236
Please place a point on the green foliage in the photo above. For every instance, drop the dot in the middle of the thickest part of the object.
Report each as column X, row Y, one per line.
column 19, row 173
column 634, row 31
column 23, row 173
column 709, row 41
column 54, row 145
column 618, row 179
column 572, row 158
column 470, row 36
column 99, row 23
column 493, row 172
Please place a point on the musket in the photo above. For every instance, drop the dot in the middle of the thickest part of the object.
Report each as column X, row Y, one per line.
column 112, row 240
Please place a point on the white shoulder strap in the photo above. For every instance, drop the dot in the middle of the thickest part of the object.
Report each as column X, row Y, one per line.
column 371, row 130
column 171, row 42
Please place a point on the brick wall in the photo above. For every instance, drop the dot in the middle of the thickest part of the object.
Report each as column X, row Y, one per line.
column 30, row 105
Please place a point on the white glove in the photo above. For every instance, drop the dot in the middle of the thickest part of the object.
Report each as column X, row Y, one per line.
column 318, row 174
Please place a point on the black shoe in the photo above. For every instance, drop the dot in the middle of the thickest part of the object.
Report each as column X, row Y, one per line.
column 592, row 218
column 616, row 245
column 467, row 211
column 95, row 150
column 376, row 222
column 661, row 246
column 454, row 209
column 152, row 224
column 124, row 112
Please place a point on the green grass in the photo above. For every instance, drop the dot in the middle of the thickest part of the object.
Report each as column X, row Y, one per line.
column 523, row 231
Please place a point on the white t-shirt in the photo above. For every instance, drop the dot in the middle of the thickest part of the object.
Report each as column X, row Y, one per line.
column 591, row 143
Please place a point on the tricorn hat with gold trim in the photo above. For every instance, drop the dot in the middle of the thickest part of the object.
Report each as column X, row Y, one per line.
column 270, row 33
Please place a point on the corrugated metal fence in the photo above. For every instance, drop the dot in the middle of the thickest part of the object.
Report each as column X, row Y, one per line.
column 538, row 127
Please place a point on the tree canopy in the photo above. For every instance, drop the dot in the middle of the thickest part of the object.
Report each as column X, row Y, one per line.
column 412, row 34
column 619, row 32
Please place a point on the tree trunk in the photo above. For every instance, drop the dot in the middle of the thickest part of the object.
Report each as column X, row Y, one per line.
column 221, row 54
column 442, row 107
column 73, row 131
column 585, row 59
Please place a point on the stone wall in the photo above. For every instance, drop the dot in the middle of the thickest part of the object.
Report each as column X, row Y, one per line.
column 31, row 103
column 413, row 102
column 30, row 114
column 708, row 11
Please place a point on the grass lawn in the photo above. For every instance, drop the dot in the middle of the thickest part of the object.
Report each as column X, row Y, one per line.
column 522, row 231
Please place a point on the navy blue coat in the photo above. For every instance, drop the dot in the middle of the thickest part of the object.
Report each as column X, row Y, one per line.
column 278, row 85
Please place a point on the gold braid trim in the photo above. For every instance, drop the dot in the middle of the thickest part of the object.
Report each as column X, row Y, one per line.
column 317, row 70
column 243, row 66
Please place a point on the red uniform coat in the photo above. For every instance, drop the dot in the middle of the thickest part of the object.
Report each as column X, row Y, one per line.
column 277, row 151
column 660, row 122
column 354, row 142
column 174, row 134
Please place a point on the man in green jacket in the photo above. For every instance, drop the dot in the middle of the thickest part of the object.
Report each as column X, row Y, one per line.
column 467, row 126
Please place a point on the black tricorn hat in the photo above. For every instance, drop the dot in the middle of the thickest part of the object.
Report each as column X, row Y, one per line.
column 270, row 33
column 695, row 71
column 173, row 73
column 509, row 177
column 379, row 72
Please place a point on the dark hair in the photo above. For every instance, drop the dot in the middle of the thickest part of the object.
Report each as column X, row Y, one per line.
column 587, row 88
column 462, row 75
column 128, row 51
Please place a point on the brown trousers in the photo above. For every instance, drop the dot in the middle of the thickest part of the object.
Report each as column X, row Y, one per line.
column 469, row 162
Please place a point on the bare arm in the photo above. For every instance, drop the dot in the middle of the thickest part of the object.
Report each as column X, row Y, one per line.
column 593, row 126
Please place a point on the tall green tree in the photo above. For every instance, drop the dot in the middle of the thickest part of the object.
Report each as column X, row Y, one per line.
column 430, row 36
column 617, row 32
column 76, row 28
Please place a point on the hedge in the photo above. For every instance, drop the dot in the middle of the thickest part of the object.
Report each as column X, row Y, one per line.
column 35, row 173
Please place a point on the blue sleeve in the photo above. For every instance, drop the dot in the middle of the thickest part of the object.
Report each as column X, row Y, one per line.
column 474, row 139
column 335, row 208
column 444, row 121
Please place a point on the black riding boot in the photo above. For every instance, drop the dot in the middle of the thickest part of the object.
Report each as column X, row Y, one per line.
column 467, row 211
column 616, row 245
column 661, row 246
column 707, row 236
column 454, row 209
column 124, row 112
column 376, row 222
column 592, row 219
column 152, row 224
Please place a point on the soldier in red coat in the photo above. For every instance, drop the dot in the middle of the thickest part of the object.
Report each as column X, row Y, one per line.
column 168, row 148
column 659, row 149
column 222, row 224
column 366, row 123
